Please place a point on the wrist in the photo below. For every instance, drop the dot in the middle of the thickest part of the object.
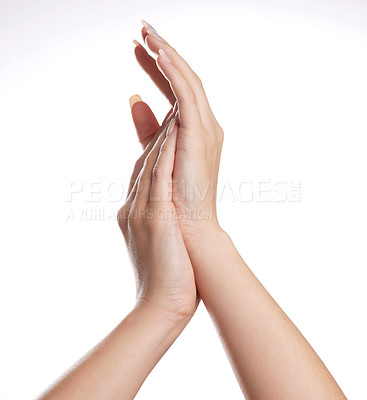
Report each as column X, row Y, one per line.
column 194, row 230
column 167, row 319
column 211, row 250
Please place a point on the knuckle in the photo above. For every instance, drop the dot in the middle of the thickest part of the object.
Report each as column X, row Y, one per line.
column 198, row 81
column 164, row 149
column 122, row 217
column 157, row 172
column 188, row 96
column 220, row 134
column 146, row 164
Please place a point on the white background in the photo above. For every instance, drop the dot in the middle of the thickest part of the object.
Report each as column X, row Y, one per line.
column 287, row 82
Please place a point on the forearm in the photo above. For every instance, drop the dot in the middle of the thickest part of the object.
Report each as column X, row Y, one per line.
column 271, row 358
column 119, row 364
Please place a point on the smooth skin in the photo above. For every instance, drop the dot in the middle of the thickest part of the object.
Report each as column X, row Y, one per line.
column 172, row 201
column 166, row 291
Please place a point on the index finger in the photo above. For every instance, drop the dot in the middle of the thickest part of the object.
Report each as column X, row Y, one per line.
column 149, row 65
column 156, row 42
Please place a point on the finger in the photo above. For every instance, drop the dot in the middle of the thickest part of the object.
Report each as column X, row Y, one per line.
column 184, row 91
column 188, row 109
column 144, row 29
column 145, row 122
column 155, row 42
column 145, row 177
column 160, row 189
column 172, row 112
column 149, row 65
column 137, row 168
column 140, row 162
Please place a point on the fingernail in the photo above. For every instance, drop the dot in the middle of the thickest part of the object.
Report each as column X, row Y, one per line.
column 149, row 32
column 164, row 55
column 148, row 26
column 171, row 125
column 136, row 42
column 134, row 99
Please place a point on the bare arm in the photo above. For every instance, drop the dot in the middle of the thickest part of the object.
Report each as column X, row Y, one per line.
column 166, row 291
column 117, row 367
column 270, row 357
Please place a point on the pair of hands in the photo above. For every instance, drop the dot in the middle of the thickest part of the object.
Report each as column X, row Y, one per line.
column 171, row 199
column 176, row 245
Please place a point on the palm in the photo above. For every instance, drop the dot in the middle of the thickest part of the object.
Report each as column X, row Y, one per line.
column 177, row 274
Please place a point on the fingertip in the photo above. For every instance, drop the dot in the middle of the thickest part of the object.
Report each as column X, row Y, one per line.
column 144, row 23
column 135, row 98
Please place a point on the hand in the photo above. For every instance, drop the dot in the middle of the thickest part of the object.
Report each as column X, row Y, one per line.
column 200, row 137
column 163, row 270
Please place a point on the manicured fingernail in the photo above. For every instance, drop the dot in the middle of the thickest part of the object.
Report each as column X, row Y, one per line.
column 171, row 126
column 148, row 26
column 134, row 99
column 164, row 55
column 136, row 42
column 149, row 32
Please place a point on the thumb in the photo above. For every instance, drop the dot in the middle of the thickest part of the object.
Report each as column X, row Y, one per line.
column 145, row 122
